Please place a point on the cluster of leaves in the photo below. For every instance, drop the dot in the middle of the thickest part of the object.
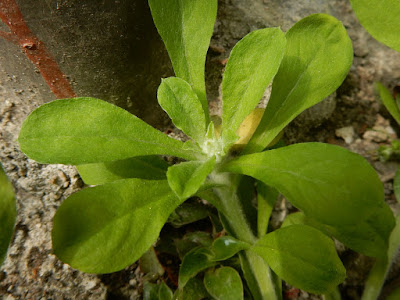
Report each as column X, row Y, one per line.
column 381, row 20
column 7, row 213
column 105, row 228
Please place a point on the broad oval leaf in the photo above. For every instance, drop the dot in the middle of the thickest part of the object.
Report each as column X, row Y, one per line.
column 182, row 105
column 317, row 59
column 252, row 64
column 8, row 213
column 329, row 183
column 381, row 19
column 187, row 36
column 108, row 227
column 193, row 263
column 224, row 284
column 302, row 256
column 87, row 130
column 226, row 247
column 388, row 101
column 187, row 177
column 145, row 167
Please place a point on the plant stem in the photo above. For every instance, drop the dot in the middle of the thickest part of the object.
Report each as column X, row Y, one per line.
column 257, row 273
column 377, row 276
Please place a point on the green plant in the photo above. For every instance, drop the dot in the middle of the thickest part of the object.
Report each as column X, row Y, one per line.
column 7, row 213
column 381, row 20
column 105, row 228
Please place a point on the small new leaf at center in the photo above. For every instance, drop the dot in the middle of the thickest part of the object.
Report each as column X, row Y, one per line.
column 187, row 177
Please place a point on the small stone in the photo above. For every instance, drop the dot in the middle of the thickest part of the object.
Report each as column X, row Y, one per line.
column 346, row 133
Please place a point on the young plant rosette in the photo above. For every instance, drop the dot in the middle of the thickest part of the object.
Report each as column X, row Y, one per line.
column 105, row 228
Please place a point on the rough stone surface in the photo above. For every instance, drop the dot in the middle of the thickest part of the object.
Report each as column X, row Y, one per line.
column 32, row 272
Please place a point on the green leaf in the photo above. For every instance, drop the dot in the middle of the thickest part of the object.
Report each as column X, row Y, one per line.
column 186, row 28
column 183, row 106
column 225, row 247
column 150, row 291
column 329, row 183
column 302, row 256
column 192, row 240
column 382, row 266
column 8, row 213
column 318, row 57
column 150, row 265
column 193, row 290
column 188, row 213
column 224, row 284
column 164, row 292
column 194, row 262
column 87, row 130
column 145, row 167
column 124, row 217
column 187, row 177
column 388, row 101
column 299, row 218
column 396, row 185
column 394, row 295
column 252, row 64
column 369, row 236
column 266, row 198
column 381, row 19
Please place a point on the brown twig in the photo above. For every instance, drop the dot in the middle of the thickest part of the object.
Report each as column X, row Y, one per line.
column 34, row 49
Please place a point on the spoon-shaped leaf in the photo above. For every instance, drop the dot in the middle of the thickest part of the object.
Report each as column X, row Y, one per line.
column 7, row 213
column 302, row 256
column 317, row 59
column 182, row 105
column 381, row 19
column 186, row 28
column 108, row 227
column 329, row 183
column 252, row 64
column 145, row 167
column 87, row 130
column 187, row 177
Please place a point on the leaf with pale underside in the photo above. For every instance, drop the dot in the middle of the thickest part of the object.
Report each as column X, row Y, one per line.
column 186, row 178
column 182, row 105
column 186, row 28
column 108, row 227
column 252, row 64
column 145, row 167
column 381, row 19
column 317, row 59
column 88, row 130
column 303, row 257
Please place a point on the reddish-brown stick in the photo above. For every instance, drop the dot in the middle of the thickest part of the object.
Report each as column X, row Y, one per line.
column 34, row 49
